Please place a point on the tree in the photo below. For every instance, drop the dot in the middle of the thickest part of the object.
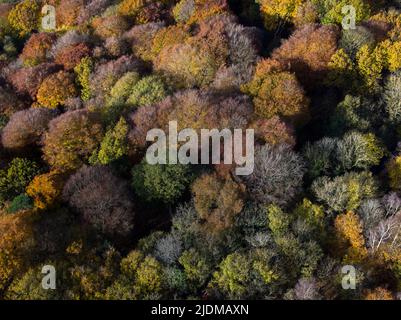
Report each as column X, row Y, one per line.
column 349, row 234
column 186, row 65
column 353, row 39
column 353, row 151
column 114, row 144
column 20, row 203
column 140, row 39
column 277, row 93
column 110, row 26
column 26, row 127
column 144, row 273
column 356, row 113
column 320, row 157
column 122, row 89
column 342, row 71
column 36, row 49
column 15, row 237
column 357, row 151
column 208, row 9
column 131, row 7
column 370, row 63
column 334, row 13
column 183, row 10
column 345, row 192
column 274, row 131
column 9, row 103
column 160, row 182
column 378, row 293
column 308, row 52
column 168, row 249
column 233, row 275
column 277, row 176
column 71, row 139
column 196, row 267
column 105, row 206
column 392, row 97
column 147, row 91
column 273, row 11
column 55, row 89
column 15, row 177
column 82, row 71
column 24, row 16
column 305, row 289
column 149, row 279
column 312, row 214
column 45, row 189
column 72, row 55
column 394, row 172
column 217, row 201
column 91, row 9
column 169, row 36
column 67, row 12
column 27, row 81
column 29, row 287
column 105, row 75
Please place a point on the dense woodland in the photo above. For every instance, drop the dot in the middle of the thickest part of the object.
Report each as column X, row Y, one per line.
column 77, row 193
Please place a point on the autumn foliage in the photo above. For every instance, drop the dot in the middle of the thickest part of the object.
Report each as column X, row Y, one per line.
column 79, row 105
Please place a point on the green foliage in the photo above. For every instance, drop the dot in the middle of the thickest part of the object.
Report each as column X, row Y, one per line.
column 356, row 113
column 233, row 275
column 24, row 17
column 345, row 192
column 331, row 11
column 279, row 221
column 311, row 213
column 3, row 121
column 114, row 144
column 160, row 182
column 147, row 91
column 75, row 109
column 82, row 71
column 21, row 202
column 123, row 88
column 29, row 287
column 196, row 267
column 16, row 177
column 392, row 97
column 335, row 156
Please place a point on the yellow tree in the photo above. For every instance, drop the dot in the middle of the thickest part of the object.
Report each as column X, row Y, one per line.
column 15, row 236
column 45, row 189
column 348, row 228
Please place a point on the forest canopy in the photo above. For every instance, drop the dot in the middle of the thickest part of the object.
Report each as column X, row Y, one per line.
column 76, row 192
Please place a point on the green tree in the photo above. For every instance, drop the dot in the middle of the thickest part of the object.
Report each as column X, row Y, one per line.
column 147, row 91
column 114, row 144
column 196, row 267
column 233, row 275
column 82, row 71
column 16, row 177
column 160, row 182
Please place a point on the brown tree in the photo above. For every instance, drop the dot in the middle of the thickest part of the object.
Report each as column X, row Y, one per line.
column 217, row 201
column 26, row 127
column 101, row 198
column 308, row 52
column 71, row 139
